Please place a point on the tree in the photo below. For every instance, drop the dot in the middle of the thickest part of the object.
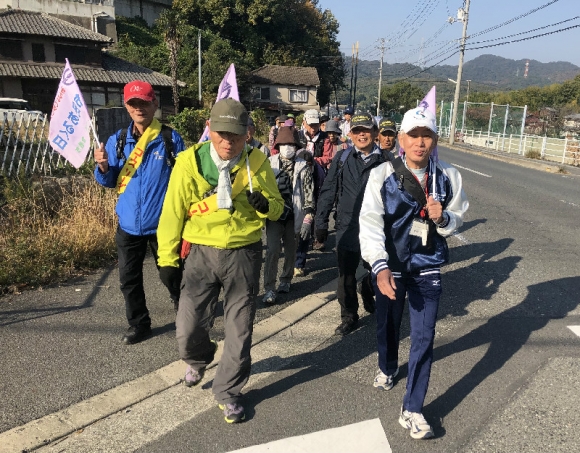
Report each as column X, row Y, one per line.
column 173, row 29
column 400, row 96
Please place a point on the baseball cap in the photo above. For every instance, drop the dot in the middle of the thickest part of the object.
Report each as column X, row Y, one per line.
column 332, row 126
column 362, row 120
column 324, row 118
column 348, row 111
column 137, row 89
column 419, row 117
column 387, row 125
column 229, row 115
column 290, row 115
column 311, row 116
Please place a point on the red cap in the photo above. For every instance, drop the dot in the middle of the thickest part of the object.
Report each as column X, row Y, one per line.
column 138, row 89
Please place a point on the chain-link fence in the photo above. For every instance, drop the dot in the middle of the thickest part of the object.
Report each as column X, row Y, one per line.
column 501, row 127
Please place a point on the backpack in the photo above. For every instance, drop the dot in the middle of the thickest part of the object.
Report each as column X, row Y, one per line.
column 166, row 134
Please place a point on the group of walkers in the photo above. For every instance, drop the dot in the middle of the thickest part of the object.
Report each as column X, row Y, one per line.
column 202, row 211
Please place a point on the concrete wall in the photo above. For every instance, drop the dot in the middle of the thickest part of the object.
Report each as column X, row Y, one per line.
column 148, row 10
column 75, row 12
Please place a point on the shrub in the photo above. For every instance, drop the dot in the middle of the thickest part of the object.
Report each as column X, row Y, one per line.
column 533, row 154
column 190, row 124
column 54, row 229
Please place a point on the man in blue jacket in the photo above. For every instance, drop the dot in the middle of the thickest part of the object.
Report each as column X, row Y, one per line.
column 137, row 162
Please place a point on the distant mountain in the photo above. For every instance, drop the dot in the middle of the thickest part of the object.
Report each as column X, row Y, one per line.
column 486, row 72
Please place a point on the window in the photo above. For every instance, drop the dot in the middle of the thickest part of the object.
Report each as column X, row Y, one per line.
column 38, row 53
column 298, row 96
column 264, row 93
column 75, row 54
column 11, row 49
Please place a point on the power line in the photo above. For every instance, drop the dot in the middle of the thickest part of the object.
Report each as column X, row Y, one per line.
column 521, row 16
column 526, row 32
column 525, row 39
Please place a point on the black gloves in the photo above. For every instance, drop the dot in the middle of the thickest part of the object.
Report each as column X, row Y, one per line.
column 258, row 201
column 321, row 236
column 307, row 156
column 171, row 278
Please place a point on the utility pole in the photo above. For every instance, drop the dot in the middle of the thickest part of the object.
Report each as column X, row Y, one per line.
column 351, row 77
column 468, row 83
column 382, row 47
column 355, row 77
column 199, row 64
column 462, row 15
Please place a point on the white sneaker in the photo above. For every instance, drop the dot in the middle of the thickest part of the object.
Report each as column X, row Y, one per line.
column 416, row 424
column 383, row 381
column 269, row 297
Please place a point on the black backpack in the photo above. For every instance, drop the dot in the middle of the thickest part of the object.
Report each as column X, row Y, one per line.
column 166, row 134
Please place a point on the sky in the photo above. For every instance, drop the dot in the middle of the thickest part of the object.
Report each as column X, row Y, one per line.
column 404, row 25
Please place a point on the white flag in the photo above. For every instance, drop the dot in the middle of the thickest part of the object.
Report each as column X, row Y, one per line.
column 70, row 121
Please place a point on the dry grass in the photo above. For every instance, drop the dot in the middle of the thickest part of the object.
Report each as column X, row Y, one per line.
column 533, row 154
column 54, row 229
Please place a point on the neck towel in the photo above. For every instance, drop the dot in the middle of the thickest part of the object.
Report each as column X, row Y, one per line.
column 224, row 192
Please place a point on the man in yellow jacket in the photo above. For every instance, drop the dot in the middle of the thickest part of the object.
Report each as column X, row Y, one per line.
column 220, row 194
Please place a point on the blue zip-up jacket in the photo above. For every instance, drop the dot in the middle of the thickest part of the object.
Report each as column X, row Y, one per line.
column 139, row 207
column 387, row 214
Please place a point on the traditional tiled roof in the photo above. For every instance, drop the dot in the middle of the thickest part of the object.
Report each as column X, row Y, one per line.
column 286, row 75
column 41, row 24
column 114, row 70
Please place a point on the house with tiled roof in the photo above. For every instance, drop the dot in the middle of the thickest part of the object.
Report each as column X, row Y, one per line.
column 33, row 49
column 284, row 89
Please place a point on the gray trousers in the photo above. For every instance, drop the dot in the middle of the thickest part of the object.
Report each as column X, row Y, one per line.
column 207, row 270
column 276, row 232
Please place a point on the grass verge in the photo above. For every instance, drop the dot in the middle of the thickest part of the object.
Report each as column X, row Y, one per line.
column 53, row 229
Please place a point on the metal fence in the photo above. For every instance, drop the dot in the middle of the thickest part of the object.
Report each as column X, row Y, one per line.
column 24, row 145
column 501, row 127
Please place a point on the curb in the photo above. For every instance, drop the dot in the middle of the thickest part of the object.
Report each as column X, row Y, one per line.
column 49, row 428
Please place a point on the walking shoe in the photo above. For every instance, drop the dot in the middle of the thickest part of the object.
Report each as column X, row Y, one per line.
column 318, row 245
column 416, row 424
column 284, row 287
column 299, row 272
column 233, row 412
column 345, row 327
column 193, row 376
column 269, row 297
column 384, row 381
column 136, row 334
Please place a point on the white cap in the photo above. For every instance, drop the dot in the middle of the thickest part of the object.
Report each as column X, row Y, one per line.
column 418, row 117
column 311, row 116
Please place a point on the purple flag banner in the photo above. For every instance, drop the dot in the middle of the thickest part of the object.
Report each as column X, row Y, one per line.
column 70, row 122
column 228, row 89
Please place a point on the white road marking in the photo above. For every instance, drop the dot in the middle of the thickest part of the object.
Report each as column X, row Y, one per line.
column 575, row 329
column 364, row 437
column 461, row 238
column 570, row 203
column 469, row 169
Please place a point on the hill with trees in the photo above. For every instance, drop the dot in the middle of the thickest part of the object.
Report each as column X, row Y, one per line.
column 487, row 73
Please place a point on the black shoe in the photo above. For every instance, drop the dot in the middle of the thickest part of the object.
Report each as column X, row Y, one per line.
column 137, row 334
column 345, row 327
column 369, row 304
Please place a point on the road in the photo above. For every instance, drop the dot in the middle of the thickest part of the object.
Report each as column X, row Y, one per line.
column 507, row 355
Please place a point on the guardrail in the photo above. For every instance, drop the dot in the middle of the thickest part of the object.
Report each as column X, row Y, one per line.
column 561, row 150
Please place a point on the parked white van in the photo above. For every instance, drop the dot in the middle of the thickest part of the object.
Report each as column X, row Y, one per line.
column 14, row 109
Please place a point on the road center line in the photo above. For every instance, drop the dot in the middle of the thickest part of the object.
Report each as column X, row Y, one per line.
column 575, row 329
column 570, row 203
column 469, row 169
